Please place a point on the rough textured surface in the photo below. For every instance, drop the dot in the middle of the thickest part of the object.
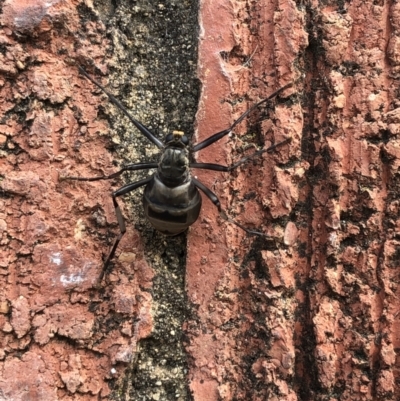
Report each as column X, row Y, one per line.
column 61, row 338
column 309, row 312
column 312, row 315
column 243, row 341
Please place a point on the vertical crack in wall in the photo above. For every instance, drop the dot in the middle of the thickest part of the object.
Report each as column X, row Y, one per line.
column 153, row 70
column 306, row 379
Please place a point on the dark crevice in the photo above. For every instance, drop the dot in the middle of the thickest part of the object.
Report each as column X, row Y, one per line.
column 153, row 73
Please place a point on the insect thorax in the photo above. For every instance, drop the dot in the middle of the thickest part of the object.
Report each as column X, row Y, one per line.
column 173, row 168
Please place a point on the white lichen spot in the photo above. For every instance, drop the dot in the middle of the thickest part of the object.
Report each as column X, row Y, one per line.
column 71, row 279
column 333, row 239
column 56, row 258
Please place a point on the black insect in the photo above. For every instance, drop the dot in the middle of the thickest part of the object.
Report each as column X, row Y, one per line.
column 171, row 198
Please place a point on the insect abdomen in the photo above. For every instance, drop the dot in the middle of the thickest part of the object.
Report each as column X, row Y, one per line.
column 171, row 210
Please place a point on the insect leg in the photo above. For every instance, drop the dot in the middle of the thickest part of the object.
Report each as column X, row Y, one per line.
column 121, row 222
column 210, row 194
column 144, row 130
column 220, row 167
column 128, row 167
column 214, row 199
column 216, row 137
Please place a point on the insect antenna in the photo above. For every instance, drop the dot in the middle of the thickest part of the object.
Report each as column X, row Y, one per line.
column 144, row 130
column 218, row 167
column 216, row 137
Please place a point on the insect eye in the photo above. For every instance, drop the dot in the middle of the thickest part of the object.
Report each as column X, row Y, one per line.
column 169, row 138
column 185, row 140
